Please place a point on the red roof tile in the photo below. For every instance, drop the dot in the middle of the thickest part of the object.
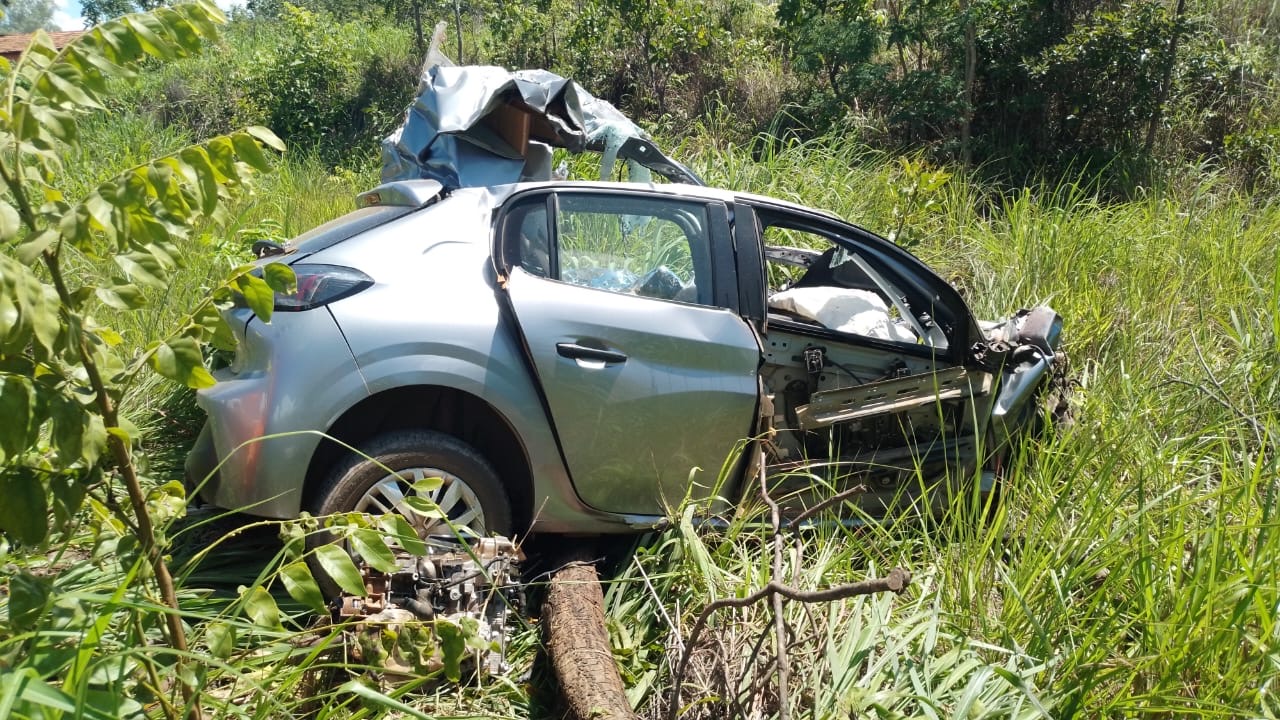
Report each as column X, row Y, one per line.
column 13, row 45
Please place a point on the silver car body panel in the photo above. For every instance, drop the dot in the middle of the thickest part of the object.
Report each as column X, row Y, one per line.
column 625, row 426
column 264, row 418
column 432, row 319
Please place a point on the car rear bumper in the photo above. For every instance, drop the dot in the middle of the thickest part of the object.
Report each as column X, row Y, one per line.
column 268, row 412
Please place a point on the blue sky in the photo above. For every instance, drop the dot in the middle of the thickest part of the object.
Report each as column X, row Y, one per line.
column 66, row 13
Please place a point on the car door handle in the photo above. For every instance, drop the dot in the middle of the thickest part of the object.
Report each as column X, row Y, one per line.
column 574, row 351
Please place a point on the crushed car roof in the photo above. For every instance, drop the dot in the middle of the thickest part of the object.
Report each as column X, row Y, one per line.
column 480, row 126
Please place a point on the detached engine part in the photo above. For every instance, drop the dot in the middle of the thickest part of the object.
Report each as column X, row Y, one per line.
column 472, row 584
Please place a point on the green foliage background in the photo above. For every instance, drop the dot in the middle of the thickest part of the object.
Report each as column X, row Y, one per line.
column 1130, row 570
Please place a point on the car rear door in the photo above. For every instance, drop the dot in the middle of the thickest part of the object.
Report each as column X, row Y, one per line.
column 627, row 304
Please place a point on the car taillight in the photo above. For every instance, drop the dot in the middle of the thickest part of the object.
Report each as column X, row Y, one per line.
column 319, row 285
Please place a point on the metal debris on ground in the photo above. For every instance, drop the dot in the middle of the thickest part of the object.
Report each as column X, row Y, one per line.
column 472, row 585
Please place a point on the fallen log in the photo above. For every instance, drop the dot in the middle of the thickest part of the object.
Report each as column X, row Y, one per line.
column 578, row 642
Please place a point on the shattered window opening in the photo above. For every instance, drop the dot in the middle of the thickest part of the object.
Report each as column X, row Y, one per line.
column 649, row 247
column 812, row 280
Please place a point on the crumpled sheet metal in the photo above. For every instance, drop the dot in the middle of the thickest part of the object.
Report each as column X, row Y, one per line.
column 448, row 133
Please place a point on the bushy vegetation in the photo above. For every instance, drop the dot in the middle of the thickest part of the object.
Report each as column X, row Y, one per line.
column 1129, row 92
column 1128, row 570
column 330, row 87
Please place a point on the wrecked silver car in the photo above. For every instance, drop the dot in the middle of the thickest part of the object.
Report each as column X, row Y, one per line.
column 564, row 355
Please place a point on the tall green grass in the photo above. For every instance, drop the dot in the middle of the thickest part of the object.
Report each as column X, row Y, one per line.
column 1130, row 569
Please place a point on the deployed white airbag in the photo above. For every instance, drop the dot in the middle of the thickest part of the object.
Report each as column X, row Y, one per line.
column 857, row 312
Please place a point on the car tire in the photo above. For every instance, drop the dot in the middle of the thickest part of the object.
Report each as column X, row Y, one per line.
column 471, row 492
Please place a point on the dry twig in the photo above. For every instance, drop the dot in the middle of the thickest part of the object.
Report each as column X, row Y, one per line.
column 777, row 591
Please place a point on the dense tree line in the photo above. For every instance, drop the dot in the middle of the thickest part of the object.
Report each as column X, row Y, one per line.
column 24, row 16
column 1018, row 88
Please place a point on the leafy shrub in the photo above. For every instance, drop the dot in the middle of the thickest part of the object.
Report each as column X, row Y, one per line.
column 1103, row 83
column 65, row 439
column 327, row 85
column 668, row 58
column 322, row 85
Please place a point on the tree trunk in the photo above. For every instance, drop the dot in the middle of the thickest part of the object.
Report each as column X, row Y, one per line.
column 970, row 67
column 457, row 24
column 1167, row 80
column 578, row 643
column 420, row 42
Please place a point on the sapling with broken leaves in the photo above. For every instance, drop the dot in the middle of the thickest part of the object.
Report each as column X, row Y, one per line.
column 65, row 436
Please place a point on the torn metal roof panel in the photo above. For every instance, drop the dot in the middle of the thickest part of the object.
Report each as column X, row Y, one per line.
column 476, row 126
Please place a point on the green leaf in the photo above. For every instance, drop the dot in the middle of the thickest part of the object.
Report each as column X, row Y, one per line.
column 148, row 31
column 337, row 564
column 111, row 669
column 86, row 69
column 280, row 277
column 395, row 527
column 167, row 502
column 186, row 35
column 10, row 223
column 301, row 586
column 29, row 250
column 37, row 304
column 45, row 124
column 221, row 638
column 108, row 704
column 424, row 506
column 68, row 90
column 68, row 429
column 453, row 648
column 371, row 696
column 27, row 686
column 118, row 36
column 67, row 491
column 294, row 537
column 101, row 211
column 204, row 14
column 17, row 407
column 78, row 296
column 257, row 295
column 24, row 512
column 222, row 155
column 93, row 440
column 370, row 545
column 222, row 337
column 428, row 485
column 181, row 360
column 29, row 598
column 248, row 150
column 206, row 177
column 122, row 296
column 144, row 268
column 261, row 608
column 266, row 137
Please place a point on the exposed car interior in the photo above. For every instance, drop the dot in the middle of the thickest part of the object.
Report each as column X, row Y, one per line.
column 851, row 369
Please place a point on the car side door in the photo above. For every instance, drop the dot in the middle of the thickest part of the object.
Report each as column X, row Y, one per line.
column 626, row 301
